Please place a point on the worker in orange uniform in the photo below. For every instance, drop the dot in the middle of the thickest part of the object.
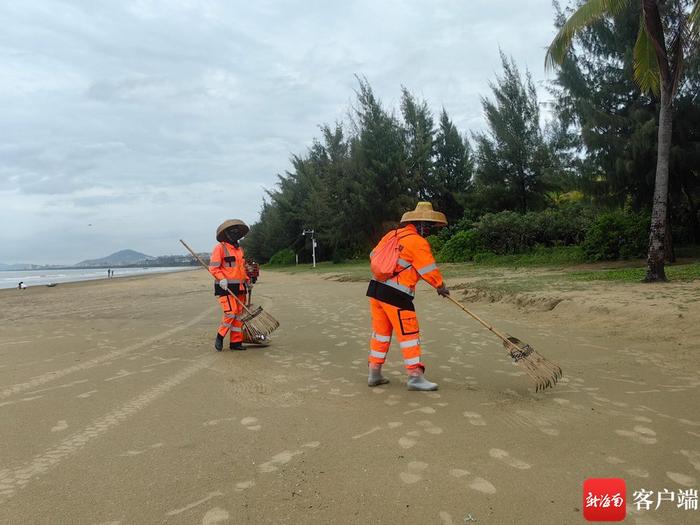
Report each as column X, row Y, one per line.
column 227, row 265
column 391, row 299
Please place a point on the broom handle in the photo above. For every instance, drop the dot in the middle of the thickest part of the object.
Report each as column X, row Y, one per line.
column 480, row 320
column 207, row 269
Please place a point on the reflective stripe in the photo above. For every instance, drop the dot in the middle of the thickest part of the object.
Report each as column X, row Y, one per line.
column 409, row 344
column 214, row 265
column 427, row 269
column 231, row 316
column 372, row 254
column 376, row 354
column 231, row 281
column 381, row 338
column 400, row 287
column 236, row 329
column 404, row 263
column 412, row 361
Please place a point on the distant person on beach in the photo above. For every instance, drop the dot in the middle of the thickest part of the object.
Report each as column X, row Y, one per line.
column 227, row 265
column 21, row 286
column 109, row 274
column 401, row 259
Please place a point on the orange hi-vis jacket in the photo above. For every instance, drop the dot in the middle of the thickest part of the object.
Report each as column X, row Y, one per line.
column 228, row 262
column 415, row 262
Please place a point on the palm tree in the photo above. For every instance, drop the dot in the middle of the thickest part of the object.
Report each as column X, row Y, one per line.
column 668, row 32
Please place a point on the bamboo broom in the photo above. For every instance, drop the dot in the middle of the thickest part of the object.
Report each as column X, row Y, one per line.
column 257, row 323
column 543, row 372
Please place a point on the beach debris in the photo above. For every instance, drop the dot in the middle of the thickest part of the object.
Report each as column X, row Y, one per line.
column 543, row 372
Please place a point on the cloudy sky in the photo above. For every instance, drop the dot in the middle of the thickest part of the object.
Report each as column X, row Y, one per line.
column 132, row 123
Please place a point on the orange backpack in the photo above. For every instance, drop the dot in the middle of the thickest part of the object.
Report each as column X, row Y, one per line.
column 385, row 257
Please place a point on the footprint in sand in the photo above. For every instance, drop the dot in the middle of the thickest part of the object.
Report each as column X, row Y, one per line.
column 639, row 434
column 393, row 400
column 407, row 442
column 251, row 423
column 429, row 427
column 474, row 482
column 394, row 424
column 682, row 479
column 637, row 472
column 446, row 518
column 422, row 410
column 693, row 458
column 244, row 485
column 475, row 419
column 278, row 460
column 414, row 472
column 61, row 425
column 214, row 516
column 614, row 460
column 505, row 457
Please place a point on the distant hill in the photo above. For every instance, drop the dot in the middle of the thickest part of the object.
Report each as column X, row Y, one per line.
column 120, row 258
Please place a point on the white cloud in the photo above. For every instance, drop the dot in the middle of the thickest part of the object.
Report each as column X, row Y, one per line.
column 156, row 119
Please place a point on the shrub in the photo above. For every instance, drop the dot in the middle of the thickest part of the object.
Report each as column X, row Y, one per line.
column 461, row 247
column 436, row 242
column 615, row 235
column 508, row 232
column 284, row 257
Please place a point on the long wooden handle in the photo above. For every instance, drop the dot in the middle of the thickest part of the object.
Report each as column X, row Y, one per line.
column 204, row 265
column 481, row 321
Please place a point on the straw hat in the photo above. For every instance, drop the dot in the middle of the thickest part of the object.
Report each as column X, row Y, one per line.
column 239, row 225
column 424, row 213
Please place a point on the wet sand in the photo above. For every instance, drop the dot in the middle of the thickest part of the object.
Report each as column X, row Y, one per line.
column 114, row 408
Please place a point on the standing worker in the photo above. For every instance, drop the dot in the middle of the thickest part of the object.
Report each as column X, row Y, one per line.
column 399, row 261
column 227, row 265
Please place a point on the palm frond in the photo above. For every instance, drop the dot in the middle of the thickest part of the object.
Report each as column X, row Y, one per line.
column 694, row 18
column 585, row 15
column 646, row 65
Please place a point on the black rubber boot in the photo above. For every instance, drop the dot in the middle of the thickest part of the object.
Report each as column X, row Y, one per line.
column 219, row 343
column 236, row 346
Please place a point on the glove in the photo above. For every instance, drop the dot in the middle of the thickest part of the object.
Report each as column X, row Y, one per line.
column 223, row 283
column 443, row 291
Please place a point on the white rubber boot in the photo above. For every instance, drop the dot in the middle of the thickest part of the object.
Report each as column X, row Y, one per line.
column 417, row 381
column 375, row 377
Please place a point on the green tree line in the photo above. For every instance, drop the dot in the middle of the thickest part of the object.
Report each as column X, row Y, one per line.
column 597, row 151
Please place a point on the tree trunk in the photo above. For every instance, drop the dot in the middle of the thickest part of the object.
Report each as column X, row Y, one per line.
column 657, row 235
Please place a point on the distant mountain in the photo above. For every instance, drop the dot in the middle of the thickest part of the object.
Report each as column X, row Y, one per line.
column 120, row 258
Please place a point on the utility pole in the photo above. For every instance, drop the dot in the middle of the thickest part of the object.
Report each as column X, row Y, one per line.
column 313, row 244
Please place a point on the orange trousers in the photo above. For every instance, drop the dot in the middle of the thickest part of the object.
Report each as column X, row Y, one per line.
column 387, row 319
column 231, row 320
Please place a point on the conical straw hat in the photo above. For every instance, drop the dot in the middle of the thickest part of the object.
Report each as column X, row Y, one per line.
column 424, row 213
column 231, row 223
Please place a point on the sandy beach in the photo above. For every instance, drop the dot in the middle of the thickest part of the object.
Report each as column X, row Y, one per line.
column 114, row 408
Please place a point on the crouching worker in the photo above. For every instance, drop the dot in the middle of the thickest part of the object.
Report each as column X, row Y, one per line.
column 227, row 265
column 398, row 262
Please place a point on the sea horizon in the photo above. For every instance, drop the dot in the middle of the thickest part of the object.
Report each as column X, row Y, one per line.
column 44, row 276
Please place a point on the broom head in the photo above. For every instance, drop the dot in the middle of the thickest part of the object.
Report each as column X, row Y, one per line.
column 543, row 372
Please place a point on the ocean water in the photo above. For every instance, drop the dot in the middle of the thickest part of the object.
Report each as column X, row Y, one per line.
column 10, row 278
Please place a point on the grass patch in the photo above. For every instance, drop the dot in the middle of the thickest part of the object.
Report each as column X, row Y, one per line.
column 540, row 256
column 681, row 272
